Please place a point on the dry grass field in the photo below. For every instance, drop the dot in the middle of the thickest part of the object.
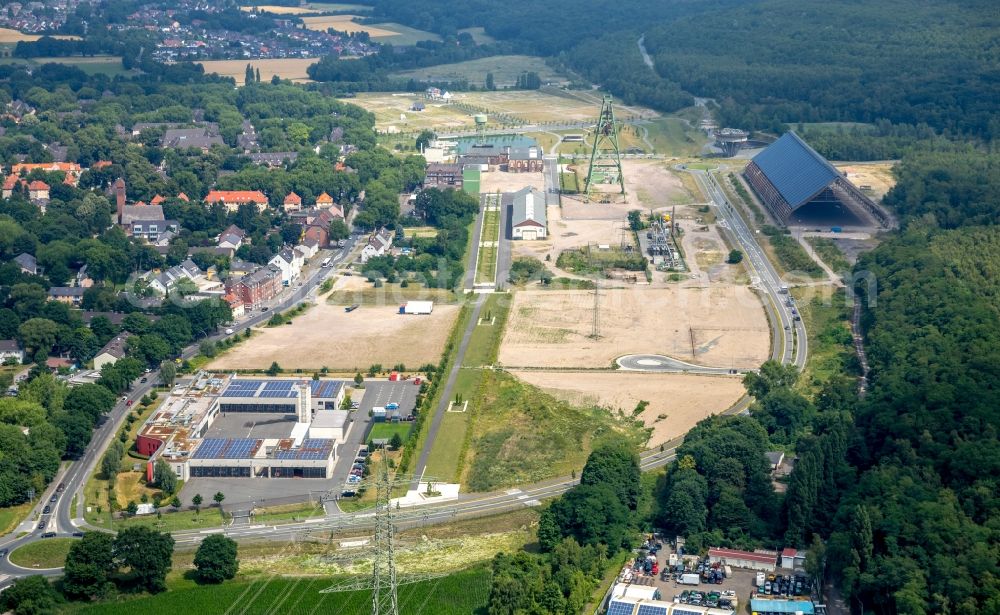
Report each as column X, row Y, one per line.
column 280, row 10
column 286, row 68
column 13, row 36
column 878, row 175
column 328, row 336
column 676, row 401
column 389, row 108
column 719, row 326
column 394, row 33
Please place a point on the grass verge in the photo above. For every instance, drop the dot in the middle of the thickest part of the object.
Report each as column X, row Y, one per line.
column 12, row 516
column 831, row 348
column 47, row 553
column 827, row 250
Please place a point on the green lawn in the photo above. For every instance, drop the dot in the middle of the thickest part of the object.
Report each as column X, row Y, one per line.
column 486, row 337
column 827, row 250
column 46, row 553
column 387, row 430
column 406, row 36
column 11, row 516
column 831, row 349
column 674, row 137
column 461, row 593
column 445, row 460
column 486, row 270
column 505, row 69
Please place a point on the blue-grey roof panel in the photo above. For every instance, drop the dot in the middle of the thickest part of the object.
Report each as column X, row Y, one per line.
column 795, row 169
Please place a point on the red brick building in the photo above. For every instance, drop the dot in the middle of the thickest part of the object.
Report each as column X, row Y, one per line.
column 256, row 287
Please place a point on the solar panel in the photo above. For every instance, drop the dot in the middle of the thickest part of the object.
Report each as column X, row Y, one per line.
column 649, row 609
column 620, row 608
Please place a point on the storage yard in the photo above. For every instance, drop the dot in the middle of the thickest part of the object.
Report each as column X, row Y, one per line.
column 327, row 336
column 719, row 327
column 676, row 401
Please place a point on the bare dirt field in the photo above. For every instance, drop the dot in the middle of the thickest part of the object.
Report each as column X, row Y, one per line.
column 286, row 68
column 491, row 181
column 393, row 113
column 652, row 184
column 328, row 336
column 719, row 326
column 676, row 401
column 878, row 175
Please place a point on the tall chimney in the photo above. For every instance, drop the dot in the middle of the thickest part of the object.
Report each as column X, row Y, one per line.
column 119, row 190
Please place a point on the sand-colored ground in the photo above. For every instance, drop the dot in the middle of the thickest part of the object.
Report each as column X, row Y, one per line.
column 652, row 184
column 877, row 175
column 676, row 401
column 328, row 336
column 345, row 23
column 286, row 68
column 8, row 35
column 393, row 113
column 279, row 10
column 491, row 181
column 719, row 326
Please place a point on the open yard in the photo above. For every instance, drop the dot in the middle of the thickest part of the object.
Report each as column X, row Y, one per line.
column 721, row 326
column 877, row 176
column 676, row 401
column 286, row 68
column 328, row 336
column 393, row 33
column 505, row 69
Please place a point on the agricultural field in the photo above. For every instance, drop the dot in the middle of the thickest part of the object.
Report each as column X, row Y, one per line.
column 8, row 35
column 293, row 69
column 505, row 69
column 92, row 65
column 478, row 35
column 373, row 333
column 722, row 326
column 460, row 593
column 676, row 401
column 393, row 33
column 310, row 8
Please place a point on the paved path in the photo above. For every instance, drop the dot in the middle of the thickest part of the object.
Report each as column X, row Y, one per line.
column 661, row 363
column 446, row 393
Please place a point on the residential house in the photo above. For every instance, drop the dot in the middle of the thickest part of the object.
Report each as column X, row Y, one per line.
column 256, row 287
column 232, row 199
column 378, row 244
column 167, row 280
column 83, row 279
column 115, row 349
column 443, row 176
column 231, row 238
column 528, row 219
column 153, row 231
column 309, row 248
column 235, row 305
column 317, row 225
column 70, row 295
column 182, row 138
column 9, row 184
column 289, row 262
column 38, row 191
column 325, row 201
column 27, row 263
column 71, row 169
column 293, row 202
column 273, row 160
column 10, row 351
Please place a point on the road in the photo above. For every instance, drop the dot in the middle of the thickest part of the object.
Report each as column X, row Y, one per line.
column 63, row 520
column 789, row 345
column 664, row 364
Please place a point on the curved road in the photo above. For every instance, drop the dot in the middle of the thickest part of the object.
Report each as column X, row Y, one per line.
column 789, row 345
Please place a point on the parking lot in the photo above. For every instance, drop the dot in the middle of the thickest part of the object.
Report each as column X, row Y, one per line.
column 382, row 393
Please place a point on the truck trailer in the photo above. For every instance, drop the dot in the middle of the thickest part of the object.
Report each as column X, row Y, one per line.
column 689, row 579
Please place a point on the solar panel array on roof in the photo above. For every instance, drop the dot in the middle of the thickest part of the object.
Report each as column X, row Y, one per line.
column 261, row 388
column 325, row 388
column 795, row 169
column 620, row 608
column 651, row 609
column 226, row 448
column 312, row 449
column 242, row 388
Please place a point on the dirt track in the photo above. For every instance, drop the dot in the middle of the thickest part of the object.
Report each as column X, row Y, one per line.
column 681, row 400
column 719, row 327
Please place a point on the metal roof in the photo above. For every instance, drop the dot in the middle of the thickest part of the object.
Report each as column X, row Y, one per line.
column 529, row 205
column 795, row 169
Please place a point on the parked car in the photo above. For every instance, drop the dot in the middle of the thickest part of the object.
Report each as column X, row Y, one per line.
column 392, row 406
column 144, row 380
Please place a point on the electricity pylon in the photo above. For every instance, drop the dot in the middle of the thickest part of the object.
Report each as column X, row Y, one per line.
column 605, row 155
column 383, row 581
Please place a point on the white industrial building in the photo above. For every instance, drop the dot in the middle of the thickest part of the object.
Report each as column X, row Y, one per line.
column 331, row 424
column 753, row 560
column 528, row 217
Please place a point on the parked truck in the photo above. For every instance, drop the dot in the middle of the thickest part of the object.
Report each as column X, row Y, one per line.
column 689, row 579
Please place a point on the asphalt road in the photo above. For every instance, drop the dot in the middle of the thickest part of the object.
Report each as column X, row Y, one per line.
column 664, row 364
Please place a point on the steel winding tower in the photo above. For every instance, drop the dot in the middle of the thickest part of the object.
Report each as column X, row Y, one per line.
column 605, row 155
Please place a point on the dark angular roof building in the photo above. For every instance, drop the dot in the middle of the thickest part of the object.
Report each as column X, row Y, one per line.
column 789, row 175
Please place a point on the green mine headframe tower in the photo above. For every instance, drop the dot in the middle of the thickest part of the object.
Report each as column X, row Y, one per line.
column 606, row 155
